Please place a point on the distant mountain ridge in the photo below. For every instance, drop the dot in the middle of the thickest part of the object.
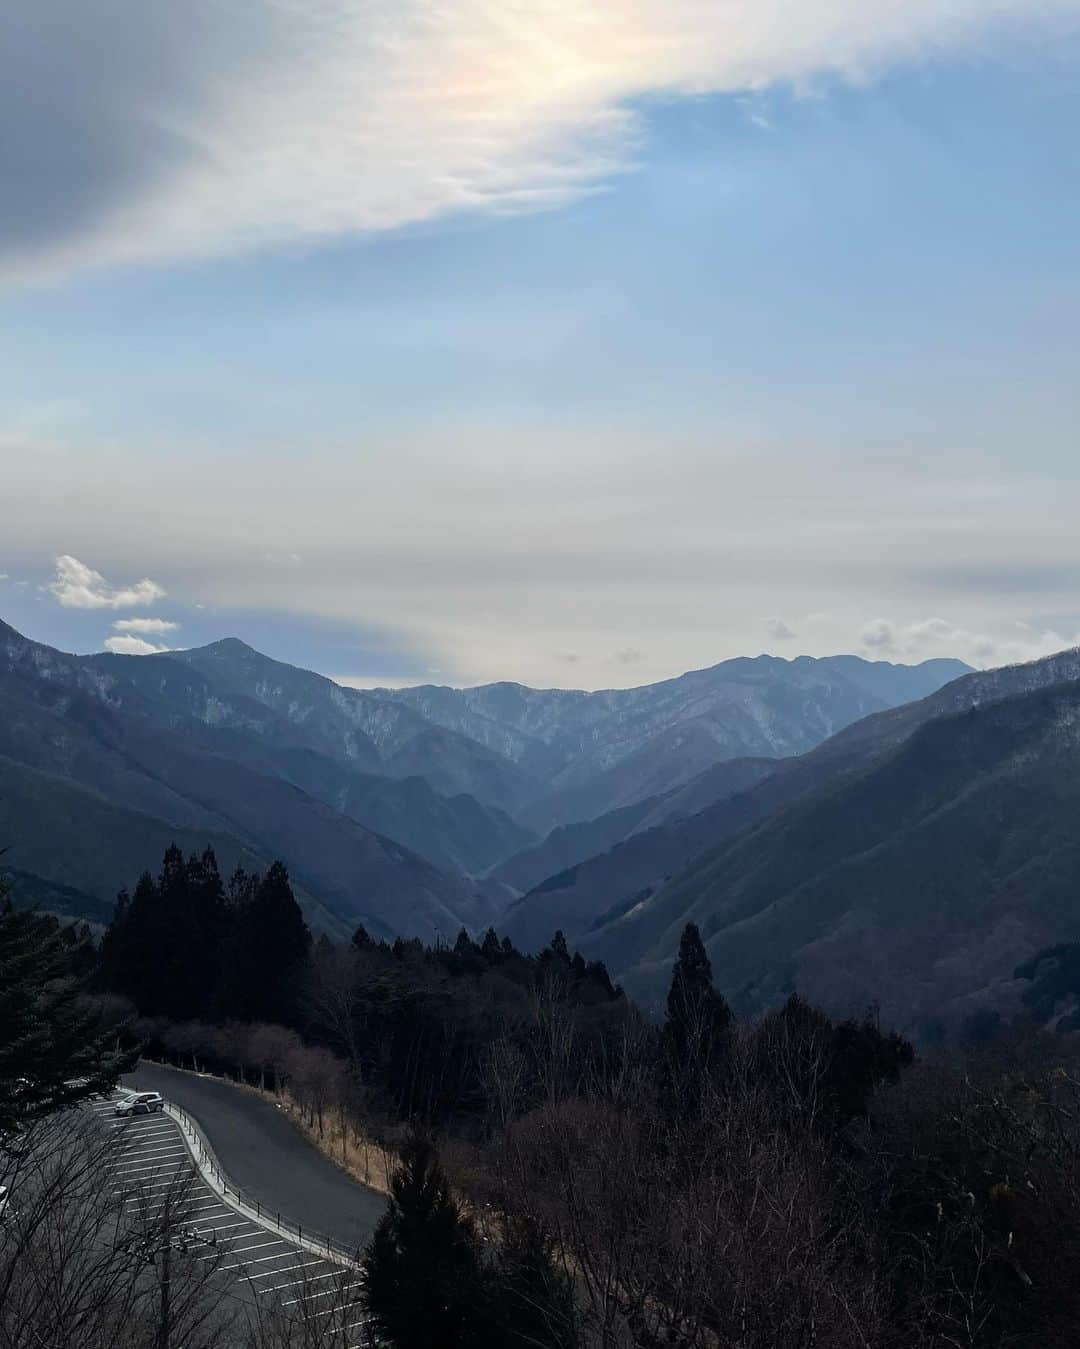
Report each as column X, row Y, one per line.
column 600, row 751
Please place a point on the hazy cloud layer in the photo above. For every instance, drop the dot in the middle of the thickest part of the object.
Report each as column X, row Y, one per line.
column 926, row 638
column 484, row 586
column 143, row 131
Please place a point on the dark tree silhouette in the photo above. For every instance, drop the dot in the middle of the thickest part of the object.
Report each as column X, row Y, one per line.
column 423, row 1281
column 271, row 945
column 694, row 1007
column 54, row 1048
column 697, row 1017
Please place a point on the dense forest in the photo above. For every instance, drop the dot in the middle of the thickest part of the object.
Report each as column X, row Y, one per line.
column 568, row 1174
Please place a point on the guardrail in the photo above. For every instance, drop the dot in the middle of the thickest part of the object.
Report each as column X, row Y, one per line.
column 316, row 1242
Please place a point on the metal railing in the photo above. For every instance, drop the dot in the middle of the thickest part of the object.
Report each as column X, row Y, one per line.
column 304, row 1236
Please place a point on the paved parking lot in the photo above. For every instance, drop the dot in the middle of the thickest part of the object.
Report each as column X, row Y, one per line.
column 155, row 1169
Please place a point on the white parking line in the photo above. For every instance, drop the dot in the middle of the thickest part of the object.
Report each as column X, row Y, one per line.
column 241, row 1264
column 259, row 1246
column 154, row 1145
column 129, row 1168
column 176, row 1170
column 145, row 1187
column 152, row 1160
column 327, row 1292
column 148, row 1154
column 150, row 1209
column 277, row 1287
column 332, row 1311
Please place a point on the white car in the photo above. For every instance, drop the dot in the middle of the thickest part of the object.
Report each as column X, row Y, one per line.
column 140, row 1103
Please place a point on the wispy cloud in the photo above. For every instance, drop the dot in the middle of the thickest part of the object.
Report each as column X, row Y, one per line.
column 779, row 630
column 145, row 626
column 133, row 646
column 172, row 132
column 77, row 586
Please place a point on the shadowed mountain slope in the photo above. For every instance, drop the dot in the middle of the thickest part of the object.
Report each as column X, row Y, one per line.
column 569, row 845
column 917, row 875
column 77, row 730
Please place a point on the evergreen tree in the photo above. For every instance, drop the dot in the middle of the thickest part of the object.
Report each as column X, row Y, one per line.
column 490, row 948
column 190, row 924
column 697, row 1016
column 694, row 1007
column 271, row 946
column 54, row 1048
column 423, row 1280
column 132, row 945
column 533, row 1301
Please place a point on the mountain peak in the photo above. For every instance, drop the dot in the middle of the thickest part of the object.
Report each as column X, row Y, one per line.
column 225, row 648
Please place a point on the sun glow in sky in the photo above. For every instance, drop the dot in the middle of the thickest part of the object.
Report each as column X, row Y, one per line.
column 575, row 344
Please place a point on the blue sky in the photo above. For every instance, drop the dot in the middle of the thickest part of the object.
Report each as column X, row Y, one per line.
column 782, row 360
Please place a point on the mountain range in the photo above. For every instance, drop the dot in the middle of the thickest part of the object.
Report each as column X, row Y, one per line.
column 856, row 830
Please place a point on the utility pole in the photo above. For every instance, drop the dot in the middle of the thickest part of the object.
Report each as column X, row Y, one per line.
column 166, row 1272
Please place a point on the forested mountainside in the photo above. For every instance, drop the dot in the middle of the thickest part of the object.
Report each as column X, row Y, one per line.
column 597, row 892
column 917, row 877
column 105, row 760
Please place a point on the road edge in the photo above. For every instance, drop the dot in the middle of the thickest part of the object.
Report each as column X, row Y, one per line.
column 206, row 1164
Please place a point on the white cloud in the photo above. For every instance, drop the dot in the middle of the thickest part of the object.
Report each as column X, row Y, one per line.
column 779, row 630
column 133, row 646
column 926, row 638
column 144, row 625
column 272, row 123
column 77, row 586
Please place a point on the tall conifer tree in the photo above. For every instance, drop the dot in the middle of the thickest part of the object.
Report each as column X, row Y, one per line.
column 423, row 1285
column 54, row 1048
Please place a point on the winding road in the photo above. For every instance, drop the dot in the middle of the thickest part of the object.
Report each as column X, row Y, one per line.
column 263, row 1154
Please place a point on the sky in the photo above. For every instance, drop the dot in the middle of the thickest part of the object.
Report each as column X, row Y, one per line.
column 575, row 344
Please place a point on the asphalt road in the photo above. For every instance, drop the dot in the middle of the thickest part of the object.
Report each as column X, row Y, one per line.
column 267, row 1158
